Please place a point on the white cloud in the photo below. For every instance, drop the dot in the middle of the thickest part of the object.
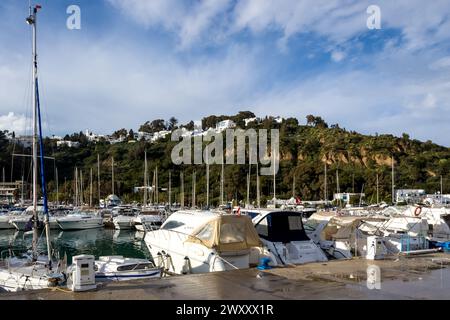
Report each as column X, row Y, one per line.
column 337, row 56
column 14, row 122
column 441, row 63
column 421, row 24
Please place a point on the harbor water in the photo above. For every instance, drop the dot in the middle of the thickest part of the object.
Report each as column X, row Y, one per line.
column 97, row 242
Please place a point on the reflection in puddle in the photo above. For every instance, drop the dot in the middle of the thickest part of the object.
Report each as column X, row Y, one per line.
column 373, row 277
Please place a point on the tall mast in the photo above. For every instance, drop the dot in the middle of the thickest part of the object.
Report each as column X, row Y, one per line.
column 193, row 189
column 221, row 183
column 207, row 185
column 90, row 189
column 378, row 199
column 170, row 189
column 21, row 197
column 145, row 178
column 81, row 188
column 112, row 174
column 182, row 190
column 274, row 188
column 57, row 187
column 76, row 186
column 325, row 183
column 293, row 186
column 98, row 178
column 31, row 20
column 258, row 196
column 337, row 186
column 393, row 195
column 248, row 178
column 153, row 187
column 442, row 189
column 156, row 185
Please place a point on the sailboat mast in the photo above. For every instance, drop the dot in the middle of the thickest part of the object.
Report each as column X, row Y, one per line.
column 112, row 175
column 378, row 199
column 325, row 183
column 170, row 189
column 156, row 186
column 76, row 187
column 57, row 187
column 145, row 178
column 221, row 183
column 182, row 190
column 258, row 196
column 98, row 178
column 393, row 195
column 81, row 188
column 207, row 185
column 248, row 178
column 193, row 190
column 90, row 189
column 32, row 21
column 293, row 186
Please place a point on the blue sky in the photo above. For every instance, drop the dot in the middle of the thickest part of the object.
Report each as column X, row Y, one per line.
column 137, row 60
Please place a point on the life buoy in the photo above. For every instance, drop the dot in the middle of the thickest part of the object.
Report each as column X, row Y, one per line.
column 418, row 211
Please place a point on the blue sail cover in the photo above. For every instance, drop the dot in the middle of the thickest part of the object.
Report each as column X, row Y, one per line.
column 41, row 149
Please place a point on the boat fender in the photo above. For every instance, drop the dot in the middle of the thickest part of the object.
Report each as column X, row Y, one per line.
column 186, row 269
column 418, row 211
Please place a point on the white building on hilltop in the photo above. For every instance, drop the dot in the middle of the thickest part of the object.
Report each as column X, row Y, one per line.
column 225, row 124
column 248, row 120
column 65, row 143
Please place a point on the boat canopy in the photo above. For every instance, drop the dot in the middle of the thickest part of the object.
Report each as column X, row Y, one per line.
column 227, row 233
column 280, row 226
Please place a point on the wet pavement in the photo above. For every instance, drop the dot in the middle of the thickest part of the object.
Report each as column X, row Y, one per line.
column 418, row 277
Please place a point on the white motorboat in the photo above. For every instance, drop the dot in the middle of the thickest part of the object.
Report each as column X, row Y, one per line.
column 195, row 241
column 6, row 218
column 345, row 236
column 125, row 219
column 283, row 234
column 438, row 219
column 149, row 220
column 79, row 221
column 118, row 268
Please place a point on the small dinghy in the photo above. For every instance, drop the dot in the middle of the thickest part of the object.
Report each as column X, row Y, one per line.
column 117, row 268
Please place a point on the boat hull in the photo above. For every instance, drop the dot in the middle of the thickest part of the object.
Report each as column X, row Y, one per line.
column 124, row 224
column 4, row 224
column 80, row 224
column 128, row 275
column 201, row 258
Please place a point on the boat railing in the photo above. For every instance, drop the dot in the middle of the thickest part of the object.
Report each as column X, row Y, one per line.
column 167, row 233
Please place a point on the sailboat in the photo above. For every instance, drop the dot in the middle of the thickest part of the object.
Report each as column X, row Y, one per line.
column 33, row 270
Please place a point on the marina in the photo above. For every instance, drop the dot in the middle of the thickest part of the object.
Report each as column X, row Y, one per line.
column 327, row 213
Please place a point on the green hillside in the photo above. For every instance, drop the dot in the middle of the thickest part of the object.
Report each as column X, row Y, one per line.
column 305, row 149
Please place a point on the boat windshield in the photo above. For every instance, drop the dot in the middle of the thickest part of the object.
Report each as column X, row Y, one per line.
column 282, row 227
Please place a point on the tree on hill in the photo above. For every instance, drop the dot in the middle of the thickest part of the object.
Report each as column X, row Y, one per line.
column 154, row 126
column 314, row 121
column 120, row 133
column 172, row 123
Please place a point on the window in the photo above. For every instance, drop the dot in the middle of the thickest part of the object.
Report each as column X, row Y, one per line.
column 262, row 227
column 172, row 225
column 206, row 232
column 232, row 232
column 295, row 222
column 140, row 266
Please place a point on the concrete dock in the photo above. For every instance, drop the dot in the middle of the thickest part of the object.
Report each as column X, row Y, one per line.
column 418, row 277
